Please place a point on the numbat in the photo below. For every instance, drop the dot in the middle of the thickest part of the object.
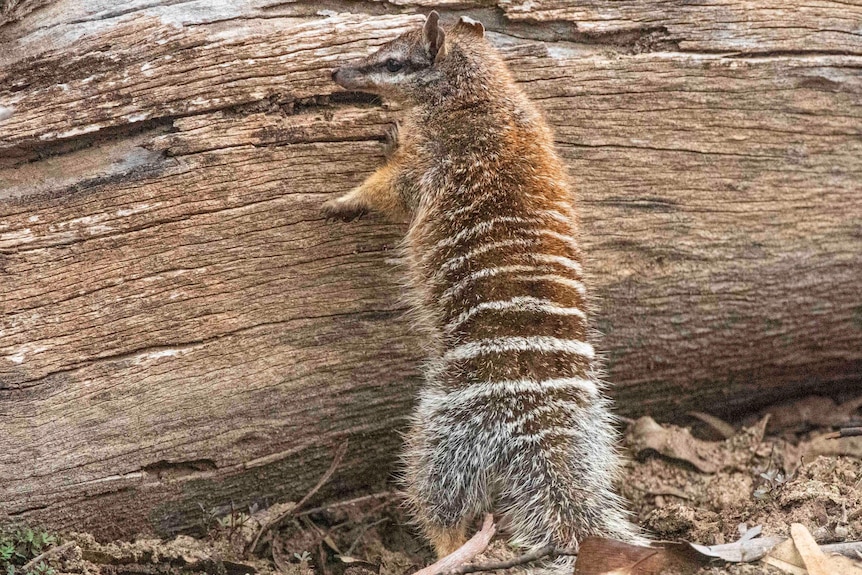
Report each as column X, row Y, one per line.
column 513, row 419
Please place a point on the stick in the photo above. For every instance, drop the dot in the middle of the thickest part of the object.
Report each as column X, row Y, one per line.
column 851, row 549
column 362, row 534
column 548, row 551
column 476, row 544
column 845, row 432
column 336, row 461
column 35, row 560
column 354, row 501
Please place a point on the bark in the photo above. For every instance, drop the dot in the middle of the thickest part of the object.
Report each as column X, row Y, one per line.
column 180, row 327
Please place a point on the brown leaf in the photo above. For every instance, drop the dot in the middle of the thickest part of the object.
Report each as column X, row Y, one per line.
column 720, row 426
column 785, row 557
column 675, row 442
column 600, row 556
column 845, row 566
column 747, row 548
column 812, row 411
column 815, row 560
column 824, row 445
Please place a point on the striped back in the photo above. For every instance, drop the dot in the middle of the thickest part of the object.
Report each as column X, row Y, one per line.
column 509, row 305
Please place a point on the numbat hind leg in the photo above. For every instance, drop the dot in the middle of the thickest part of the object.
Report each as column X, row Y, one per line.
column 446, row 540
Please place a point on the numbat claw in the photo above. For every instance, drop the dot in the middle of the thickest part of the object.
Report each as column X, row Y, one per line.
column 342, row 211
column 391, row 142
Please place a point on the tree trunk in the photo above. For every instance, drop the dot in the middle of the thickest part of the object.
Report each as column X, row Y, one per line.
column 180, row 328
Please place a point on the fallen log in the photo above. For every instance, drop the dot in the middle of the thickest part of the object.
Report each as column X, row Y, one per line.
column 181, row 329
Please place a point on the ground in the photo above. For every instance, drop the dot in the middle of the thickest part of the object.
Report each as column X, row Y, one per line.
column 703, row 484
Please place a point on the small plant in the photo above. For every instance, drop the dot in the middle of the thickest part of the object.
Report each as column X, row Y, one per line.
column 208, row 517
column 233, row 522
column 773, row 479
column 230, row 523
column 19, row 546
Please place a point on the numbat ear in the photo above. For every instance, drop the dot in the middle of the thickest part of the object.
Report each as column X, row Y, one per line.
column 473, row 25
column 434, row 37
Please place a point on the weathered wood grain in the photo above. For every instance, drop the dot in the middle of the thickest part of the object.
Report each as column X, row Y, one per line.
column 179, row 326
column 11, row 10
column 164, row 332
column 716, row 25
column 110, row 79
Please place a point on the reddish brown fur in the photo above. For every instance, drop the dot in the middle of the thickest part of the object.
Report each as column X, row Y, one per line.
column 473, row 151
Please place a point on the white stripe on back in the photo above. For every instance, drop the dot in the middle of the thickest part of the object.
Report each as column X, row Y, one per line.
column 562, row 237
column 459, row 260
column 483, row 273
column 555, row 259
column 487, row 225
column 518, row 303
column 559, row 430
column 517, row 386
column 540, row 343
column 574, row 284
column 478, row 229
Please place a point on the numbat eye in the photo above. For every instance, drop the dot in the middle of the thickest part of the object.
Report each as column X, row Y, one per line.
column 393, row 65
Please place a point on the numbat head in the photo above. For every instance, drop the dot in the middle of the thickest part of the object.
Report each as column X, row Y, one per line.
column 512, row 419
column 426, row 66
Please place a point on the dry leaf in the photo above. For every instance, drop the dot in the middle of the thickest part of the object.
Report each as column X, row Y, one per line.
column 823, row 445
column 720, row 426
column 747, row 548
column 600, row 556
column 785, row 557
column 474, row 546
column 845, row 566
column 814, row 557
column 675, row 442
column 815, row 560
column 812, row 411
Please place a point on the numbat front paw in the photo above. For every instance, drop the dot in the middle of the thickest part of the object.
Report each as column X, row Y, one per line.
column 344, row 211
column 391, row 142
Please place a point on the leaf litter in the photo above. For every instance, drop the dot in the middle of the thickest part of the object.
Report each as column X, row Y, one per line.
column 781, row 498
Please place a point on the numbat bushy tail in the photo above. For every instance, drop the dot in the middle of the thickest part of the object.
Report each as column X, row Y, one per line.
column 512, row 419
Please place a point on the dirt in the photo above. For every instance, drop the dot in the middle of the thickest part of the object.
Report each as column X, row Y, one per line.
column 754, row 479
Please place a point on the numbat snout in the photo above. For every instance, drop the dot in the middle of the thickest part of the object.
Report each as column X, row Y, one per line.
column 512, row 419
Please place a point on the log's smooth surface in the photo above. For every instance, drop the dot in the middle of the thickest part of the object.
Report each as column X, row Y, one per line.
column 179, row 327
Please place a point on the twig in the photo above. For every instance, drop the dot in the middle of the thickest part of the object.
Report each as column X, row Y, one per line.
column 355, row 501
column 845, row 432
column 362, row 534
column 720, row 426
column 336, row 461
column 476, row 544
column 546, row 552
column 851, row 549
column 41, row 557
column 321, row 556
